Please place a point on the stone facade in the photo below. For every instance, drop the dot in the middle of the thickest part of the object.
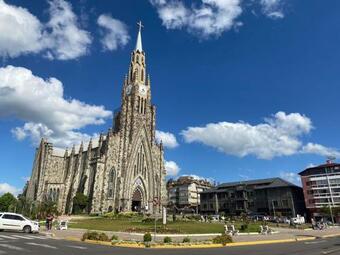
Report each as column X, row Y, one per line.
column 122, row 170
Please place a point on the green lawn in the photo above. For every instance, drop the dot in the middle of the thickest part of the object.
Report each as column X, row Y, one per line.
column 135, row 225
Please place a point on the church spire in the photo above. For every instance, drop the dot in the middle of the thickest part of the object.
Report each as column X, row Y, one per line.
column 139, row 37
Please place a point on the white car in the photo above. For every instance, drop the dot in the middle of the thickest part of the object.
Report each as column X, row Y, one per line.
column 14, row 221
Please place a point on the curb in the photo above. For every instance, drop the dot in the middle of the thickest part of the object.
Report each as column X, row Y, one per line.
column 194, row 246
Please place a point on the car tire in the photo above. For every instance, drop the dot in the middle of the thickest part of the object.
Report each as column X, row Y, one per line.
column 1, row 230
column 27, row 229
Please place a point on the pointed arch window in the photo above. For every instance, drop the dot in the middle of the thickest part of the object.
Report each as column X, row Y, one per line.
column 111, row 183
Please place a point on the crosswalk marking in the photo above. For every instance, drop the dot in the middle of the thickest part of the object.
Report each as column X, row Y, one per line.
column 8, row 237
column 12, row 247
column 42, row 245
column 40, row 237
column 77, row 247
column 23, row 237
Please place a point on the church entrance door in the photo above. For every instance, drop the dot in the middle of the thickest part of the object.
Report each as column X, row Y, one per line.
column 136, row 205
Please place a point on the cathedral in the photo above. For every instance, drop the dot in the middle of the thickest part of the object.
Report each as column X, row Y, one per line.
column 122, row 170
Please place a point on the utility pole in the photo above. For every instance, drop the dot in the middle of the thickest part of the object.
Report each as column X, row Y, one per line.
column 293, row 205
column 273, row 208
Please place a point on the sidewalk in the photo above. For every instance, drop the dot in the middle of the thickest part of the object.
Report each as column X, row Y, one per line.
column 283, row 234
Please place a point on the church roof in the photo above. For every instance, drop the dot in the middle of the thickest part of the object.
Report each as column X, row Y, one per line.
column 139, row 38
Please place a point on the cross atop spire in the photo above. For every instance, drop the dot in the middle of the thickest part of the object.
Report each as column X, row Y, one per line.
column 139, row 37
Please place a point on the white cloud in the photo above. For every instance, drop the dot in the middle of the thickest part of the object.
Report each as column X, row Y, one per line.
column 20, row 31
column 168, row 139
column 291, row 177
column 172, row 169
column 278, row 136
column 5, row 187
column 66, row 40
column 60, row 38
column 272, row 8
column 42, row 105
column 318, row 149
column 115, row 33
column 208, row 18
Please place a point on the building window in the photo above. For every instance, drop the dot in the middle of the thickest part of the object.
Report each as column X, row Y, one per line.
column 111, row 183
column 285, row 203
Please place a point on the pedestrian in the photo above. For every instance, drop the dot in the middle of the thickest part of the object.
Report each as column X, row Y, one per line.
column 47, row 222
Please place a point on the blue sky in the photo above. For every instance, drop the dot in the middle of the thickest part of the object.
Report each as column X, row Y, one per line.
column 249, row 89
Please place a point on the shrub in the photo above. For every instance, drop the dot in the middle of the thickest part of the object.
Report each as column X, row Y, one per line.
column 110, row 215
column 114, row 238
column 103, row 237
column 147, row 237
column 80, row 203
column 244, row 227
column 167, row 239
column 223, row 239
column 90, row 236
column 186, row 240
column 95, row 236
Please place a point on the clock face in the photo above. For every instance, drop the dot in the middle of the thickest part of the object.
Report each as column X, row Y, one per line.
column 142, row 90
column 128, row 90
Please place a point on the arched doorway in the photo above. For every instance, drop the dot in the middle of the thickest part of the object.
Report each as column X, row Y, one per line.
column 136, row 204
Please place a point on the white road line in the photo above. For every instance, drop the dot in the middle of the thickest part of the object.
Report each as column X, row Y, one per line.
column 77, row 247
column 23, row 237
column 43, row 245
column 11, row 247
column 315, row 242
column 8, row 237
column 330, row 251
column 40, row 237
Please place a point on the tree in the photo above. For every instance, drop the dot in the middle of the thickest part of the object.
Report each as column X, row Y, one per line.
column 80, row 203
column 7, row 202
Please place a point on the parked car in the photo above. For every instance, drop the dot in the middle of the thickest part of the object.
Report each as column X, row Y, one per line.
column 14, row 221
column 299, row 220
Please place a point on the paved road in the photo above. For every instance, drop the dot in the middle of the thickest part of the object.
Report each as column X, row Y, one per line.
column 19, row 243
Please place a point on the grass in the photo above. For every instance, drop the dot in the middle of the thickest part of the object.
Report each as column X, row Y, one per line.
column 136, row 225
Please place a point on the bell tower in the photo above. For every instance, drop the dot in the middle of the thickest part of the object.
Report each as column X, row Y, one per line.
column 137, row 83
column 136, row 109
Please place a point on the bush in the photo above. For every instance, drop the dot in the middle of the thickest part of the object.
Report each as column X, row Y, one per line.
column 128, row 215
column 114, row 238
column 90, row 236
column 95, row 236
column 103, row 237
column 110, row 215
column 80, row 203
column 244, row 227
column 186, row 240
column 147, row 237
column 167, row 239
column 223, row 239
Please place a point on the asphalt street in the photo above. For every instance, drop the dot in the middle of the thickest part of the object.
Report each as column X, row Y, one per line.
column 19, row 243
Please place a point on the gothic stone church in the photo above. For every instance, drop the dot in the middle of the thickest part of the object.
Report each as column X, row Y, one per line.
column 123, row 170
